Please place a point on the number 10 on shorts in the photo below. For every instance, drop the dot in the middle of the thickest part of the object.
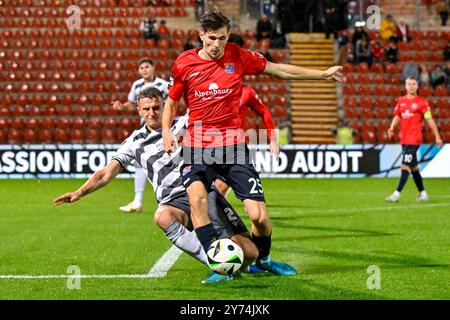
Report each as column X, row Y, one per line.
column 256, row 186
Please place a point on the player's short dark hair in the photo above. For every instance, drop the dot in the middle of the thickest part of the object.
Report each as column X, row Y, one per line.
column 412, row 78
column 214, row 20
column 150, row 93
column 145, row 59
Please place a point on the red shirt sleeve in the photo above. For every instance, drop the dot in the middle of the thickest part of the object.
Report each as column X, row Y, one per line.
column 424, row 106
column 397, row 108
column 252, row 62
column 256, row 104
column 176, row 84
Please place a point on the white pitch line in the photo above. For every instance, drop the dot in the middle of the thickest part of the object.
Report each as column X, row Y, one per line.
column 164, row 263
column 385, row 208
column 81, row 276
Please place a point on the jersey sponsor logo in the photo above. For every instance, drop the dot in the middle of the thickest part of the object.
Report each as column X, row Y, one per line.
column 213, row 92
column 229, row 67
column 407, row 114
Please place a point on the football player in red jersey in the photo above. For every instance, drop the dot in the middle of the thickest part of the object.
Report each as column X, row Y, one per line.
column 409, row 113
column 209, row 79
column 251, row 101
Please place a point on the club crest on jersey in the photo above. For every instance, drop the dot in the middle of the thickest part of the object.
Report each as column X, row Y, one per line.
column 186, row 170
column 229, row 67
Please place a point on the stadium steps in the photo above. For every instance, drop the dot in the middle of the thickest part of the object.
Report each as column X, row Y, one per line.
column 313, row 103
column 398, row 7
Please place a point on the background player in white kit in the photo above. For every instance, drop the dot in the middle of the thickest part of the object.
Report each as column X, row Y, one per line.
column 146, row 70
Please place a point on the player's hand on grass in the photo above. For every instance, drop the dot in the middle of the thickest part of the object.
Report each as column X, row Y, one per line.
column 439, row 142
column 170, row 141
column 67, row 197
column 334, row 74
column 275, row 148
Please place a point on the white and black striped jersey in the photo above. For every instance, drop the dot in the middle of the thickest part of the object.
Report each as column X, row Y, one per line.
column 163, row 170
column 139, row 85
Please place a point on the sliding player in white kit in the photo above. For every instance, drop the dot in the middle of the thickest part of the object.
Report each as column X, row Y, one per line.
column 145, row 146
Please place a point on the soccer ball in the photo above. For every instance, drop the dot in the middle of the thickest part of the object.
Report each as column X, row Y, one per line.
column 225, row 256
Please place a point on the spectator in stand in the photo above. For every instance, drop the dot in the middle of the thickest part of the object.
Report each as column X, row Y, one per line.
column 363, row 52
column 148, row 29
column 263, row 28
column 344, row 135
column 236, row 38
column 447, row 72
column 343, row 40
column 410, row 70
column 442, row 8
column 377, row 52
column 199, row 9
column 424, row 77
column 391, row 52
column 388, row 29
column 349, row 53
column 330, row 8
column 446, row 52
column 359, row 33
column 403, row 31
column 278, row 39
column 162, row 30
column 438, row 76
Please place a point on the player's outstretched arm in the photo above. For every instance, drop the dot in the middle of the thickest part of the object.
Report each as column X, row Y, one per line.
column 128, row 106
column 435, row 130
column 169, row 113
column 98, row 180
column 291, row 72
column 394, row 124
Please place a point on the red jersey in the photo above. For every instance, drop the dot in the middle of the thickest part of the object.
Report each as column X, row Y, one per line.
column 250, row 100
column 211, row 91
column 411, row 113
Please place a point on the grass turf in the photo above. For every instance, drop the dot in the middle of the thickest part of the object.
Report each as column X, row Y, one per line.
column 331, row 230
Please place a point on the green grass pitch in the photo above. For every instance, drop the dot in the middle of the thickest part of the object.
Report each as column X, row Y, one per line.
column 332, row 230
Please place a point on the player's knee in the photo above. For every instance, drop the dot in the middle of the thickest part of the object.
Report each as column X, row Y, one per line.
column 163, row 219
column 198, row 201
column 251, row 252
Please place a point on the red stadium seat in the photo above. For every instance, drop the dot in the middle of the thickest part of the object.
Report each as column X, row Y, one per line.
column 14, row 136
column 379, row 90
column 61, row 136
column 92, row 136
column 440, row 91
column 368, row 132
column 347, row 68
column 349, row 90
column 425, row 91
column 45, row 136
column 362, row 67
column 376, row 67
column 108, row 136
column 29, row 136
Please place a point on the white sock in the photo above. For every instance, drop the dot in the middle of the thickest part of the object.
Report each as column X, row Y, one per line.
column 140, row 179
column 186, row 241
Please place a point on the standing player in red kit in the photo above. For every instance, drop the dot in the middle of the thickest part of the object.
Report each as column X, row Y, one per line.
column 250, row 101
column 409, row 113
column 210, row 81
